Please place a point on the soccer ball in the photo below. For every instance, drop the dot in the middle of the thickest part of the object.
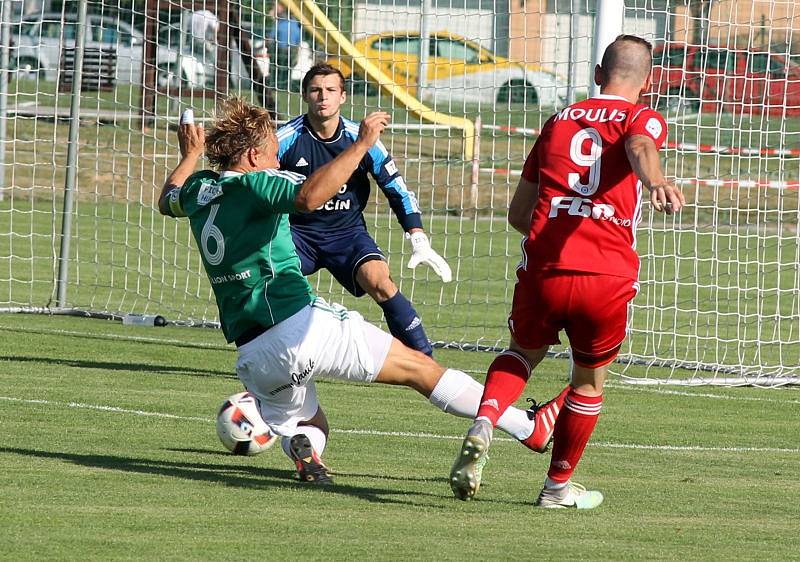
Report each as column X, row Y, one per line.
column 240, row 427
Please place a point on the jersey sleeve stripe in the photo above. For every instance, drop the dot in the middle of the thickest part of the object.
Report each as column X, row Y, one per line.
column 351, row 128
column 350, row 125
column 289, row 127
column 638, row 113
column 174, row 201
column 288, row 134
column 378, row 154
column 409, row 199
column 293, row 177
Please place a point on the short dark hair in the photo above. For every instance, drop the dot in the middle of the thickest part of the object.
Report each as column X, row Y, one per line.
column 636, row 39
column 321, row 69
column 618, row 62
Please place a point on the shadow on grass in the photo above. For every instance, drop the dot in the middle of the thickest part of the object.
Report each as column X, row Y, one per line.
column 118, row 366
column 431, row 479
column 137, row 340
column 244, row 476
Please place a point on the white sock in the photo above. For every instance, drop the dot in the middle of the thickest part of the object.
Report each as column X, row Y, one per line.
column 314, row 434
column 459, row 394
column 553, row 485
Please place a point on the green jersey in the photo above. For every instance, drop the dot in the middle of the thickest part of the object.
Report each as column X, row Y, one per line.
column 241, row 225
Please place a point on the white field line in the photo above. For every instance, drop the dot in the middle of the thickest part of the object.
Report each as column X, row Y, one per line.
column 225, row 347
column 414, row 435
column 113, row 409
column 623, row 386
column 119, row 337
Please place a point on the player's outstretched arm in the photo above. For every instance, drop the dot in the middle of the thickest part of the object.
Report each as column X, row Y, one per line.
column 519, row 211
column 326, row 181
column 422, row 252
column 191, row 139
column 643, row 156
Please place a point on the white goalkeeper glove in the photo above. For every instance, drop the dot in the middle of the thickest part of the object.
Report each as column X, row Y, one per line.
column 421, row 252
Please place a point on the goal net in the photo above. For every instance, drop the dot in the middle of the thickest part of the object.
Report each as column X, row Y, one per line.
column 84, row 150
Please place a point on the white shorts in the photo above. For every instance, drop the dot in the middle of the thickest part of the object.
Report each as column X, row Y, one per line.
column 322, row 339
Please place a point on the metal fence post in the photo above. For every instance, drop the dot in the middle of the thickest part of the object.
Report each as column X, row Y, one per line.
column 607, row 25
column 424, row 47
column 72, row 158
column 5, row 69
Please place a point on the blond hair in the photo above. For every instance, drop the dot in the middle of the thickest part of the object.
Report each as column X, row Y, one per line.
column 238, row 127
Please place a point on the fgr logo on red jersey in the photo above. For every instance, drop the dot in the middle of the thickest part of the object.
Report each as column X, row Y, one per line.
column 583, row 207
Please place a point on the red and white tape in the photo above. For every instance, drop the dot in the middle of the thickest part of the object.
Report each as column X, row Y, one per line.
column 683, row 146
column 732, row 184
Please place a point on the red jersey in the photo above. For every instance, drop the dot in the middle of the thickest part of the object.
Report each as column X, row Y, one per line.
column 589, row 197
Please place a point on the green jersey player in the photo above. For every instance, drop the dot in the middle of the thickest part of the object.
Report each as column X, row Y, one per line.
column 284, row 334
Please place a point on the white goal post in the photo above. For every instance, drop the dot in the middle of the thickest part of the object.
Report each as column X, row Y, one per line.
column 80, row 168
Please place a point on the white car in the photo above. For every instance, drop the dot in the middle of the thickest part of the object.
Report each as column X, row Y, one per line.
column 37, row 51
column 37, row 45
column 458, row 70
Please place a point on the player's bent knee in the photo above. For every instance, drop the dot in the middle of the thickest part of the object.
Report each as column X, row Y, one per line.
column 319, row 420
column 374, row 278
column 408, row 367
column 382, row 289
column 595, row 360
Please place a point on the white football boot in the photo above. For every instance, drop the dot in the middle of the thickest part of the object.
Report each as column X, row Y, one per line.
column 572, row 496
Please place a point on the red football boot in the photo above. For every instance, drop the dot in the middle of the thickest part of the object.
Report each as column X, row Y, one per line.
column 544, row 416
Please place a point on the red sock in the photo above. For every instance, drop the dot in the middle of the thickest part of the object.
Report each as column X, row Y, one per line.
column 574, row 427
column 505, row 382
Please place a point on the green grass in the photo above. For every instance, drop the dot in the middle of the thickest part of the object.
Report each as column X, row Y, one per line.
column 719, row 296
column 497, row 148
column 84, row 474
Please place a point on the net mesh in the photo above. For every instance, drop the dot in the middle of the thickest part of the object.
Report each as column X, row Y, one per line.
column 719, row 299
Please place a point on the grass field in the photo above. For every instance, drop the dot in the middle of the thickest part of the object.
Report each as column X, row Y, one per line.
column 720, row 293
column 108, row 452
column 107, row 443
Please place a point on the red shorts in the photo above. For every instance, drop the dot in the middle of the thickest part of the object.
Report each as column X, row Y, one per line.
column 591, row 308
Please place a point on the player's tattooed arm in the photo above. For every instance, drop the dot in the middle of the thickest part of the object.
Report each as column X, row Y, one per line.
column 519, row 211
column 643, row 156
column 191, row 139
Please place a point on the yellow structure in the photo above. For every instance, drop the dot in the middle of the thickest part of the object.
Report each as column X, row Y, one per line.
column 315, row 22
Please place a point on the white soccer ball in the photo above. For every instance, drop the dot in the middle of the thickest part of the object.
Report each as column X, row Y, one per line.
column 240, row 427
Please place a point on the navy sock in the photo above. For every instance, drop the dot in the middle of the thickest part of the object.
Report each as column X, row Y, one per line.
column 404, row 323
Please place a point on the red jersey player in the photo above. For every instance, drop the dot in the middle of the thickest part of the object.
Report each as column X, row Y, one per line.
column 577, row 204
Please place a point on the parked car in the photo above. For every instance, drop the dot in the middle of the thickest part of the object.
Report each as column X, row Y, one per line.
column 458, row 70
column 37, row 50
column 716, row 78
column 37, row 45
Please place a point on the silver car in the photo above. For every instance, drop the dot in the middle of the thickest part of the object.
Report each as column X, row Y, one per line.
column 38, row 45
column 38, row 48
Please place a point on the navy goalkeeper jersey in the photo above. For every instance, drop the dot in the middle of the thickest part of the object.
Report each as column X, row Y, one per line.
column 302, row 151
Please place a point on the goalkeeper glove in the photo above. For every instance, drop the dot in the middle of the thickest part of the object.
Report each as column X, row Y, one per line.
column 421, row 252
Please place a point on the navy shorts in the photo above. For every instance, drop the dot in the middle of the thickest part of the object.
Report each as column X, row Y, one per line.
column 341, row 254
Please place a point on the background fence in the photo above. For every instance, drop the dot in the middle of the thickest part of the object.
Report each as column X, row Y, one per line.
column 80, row 171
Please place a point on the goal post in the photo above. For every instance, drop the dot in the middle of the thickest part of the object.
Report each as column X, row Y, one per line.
column 607, row 26
column 720, row 293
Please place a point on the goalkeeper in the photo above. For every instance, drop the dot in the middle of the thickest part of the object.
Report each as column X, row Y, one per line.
column 286, row 337
column 335, row 236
